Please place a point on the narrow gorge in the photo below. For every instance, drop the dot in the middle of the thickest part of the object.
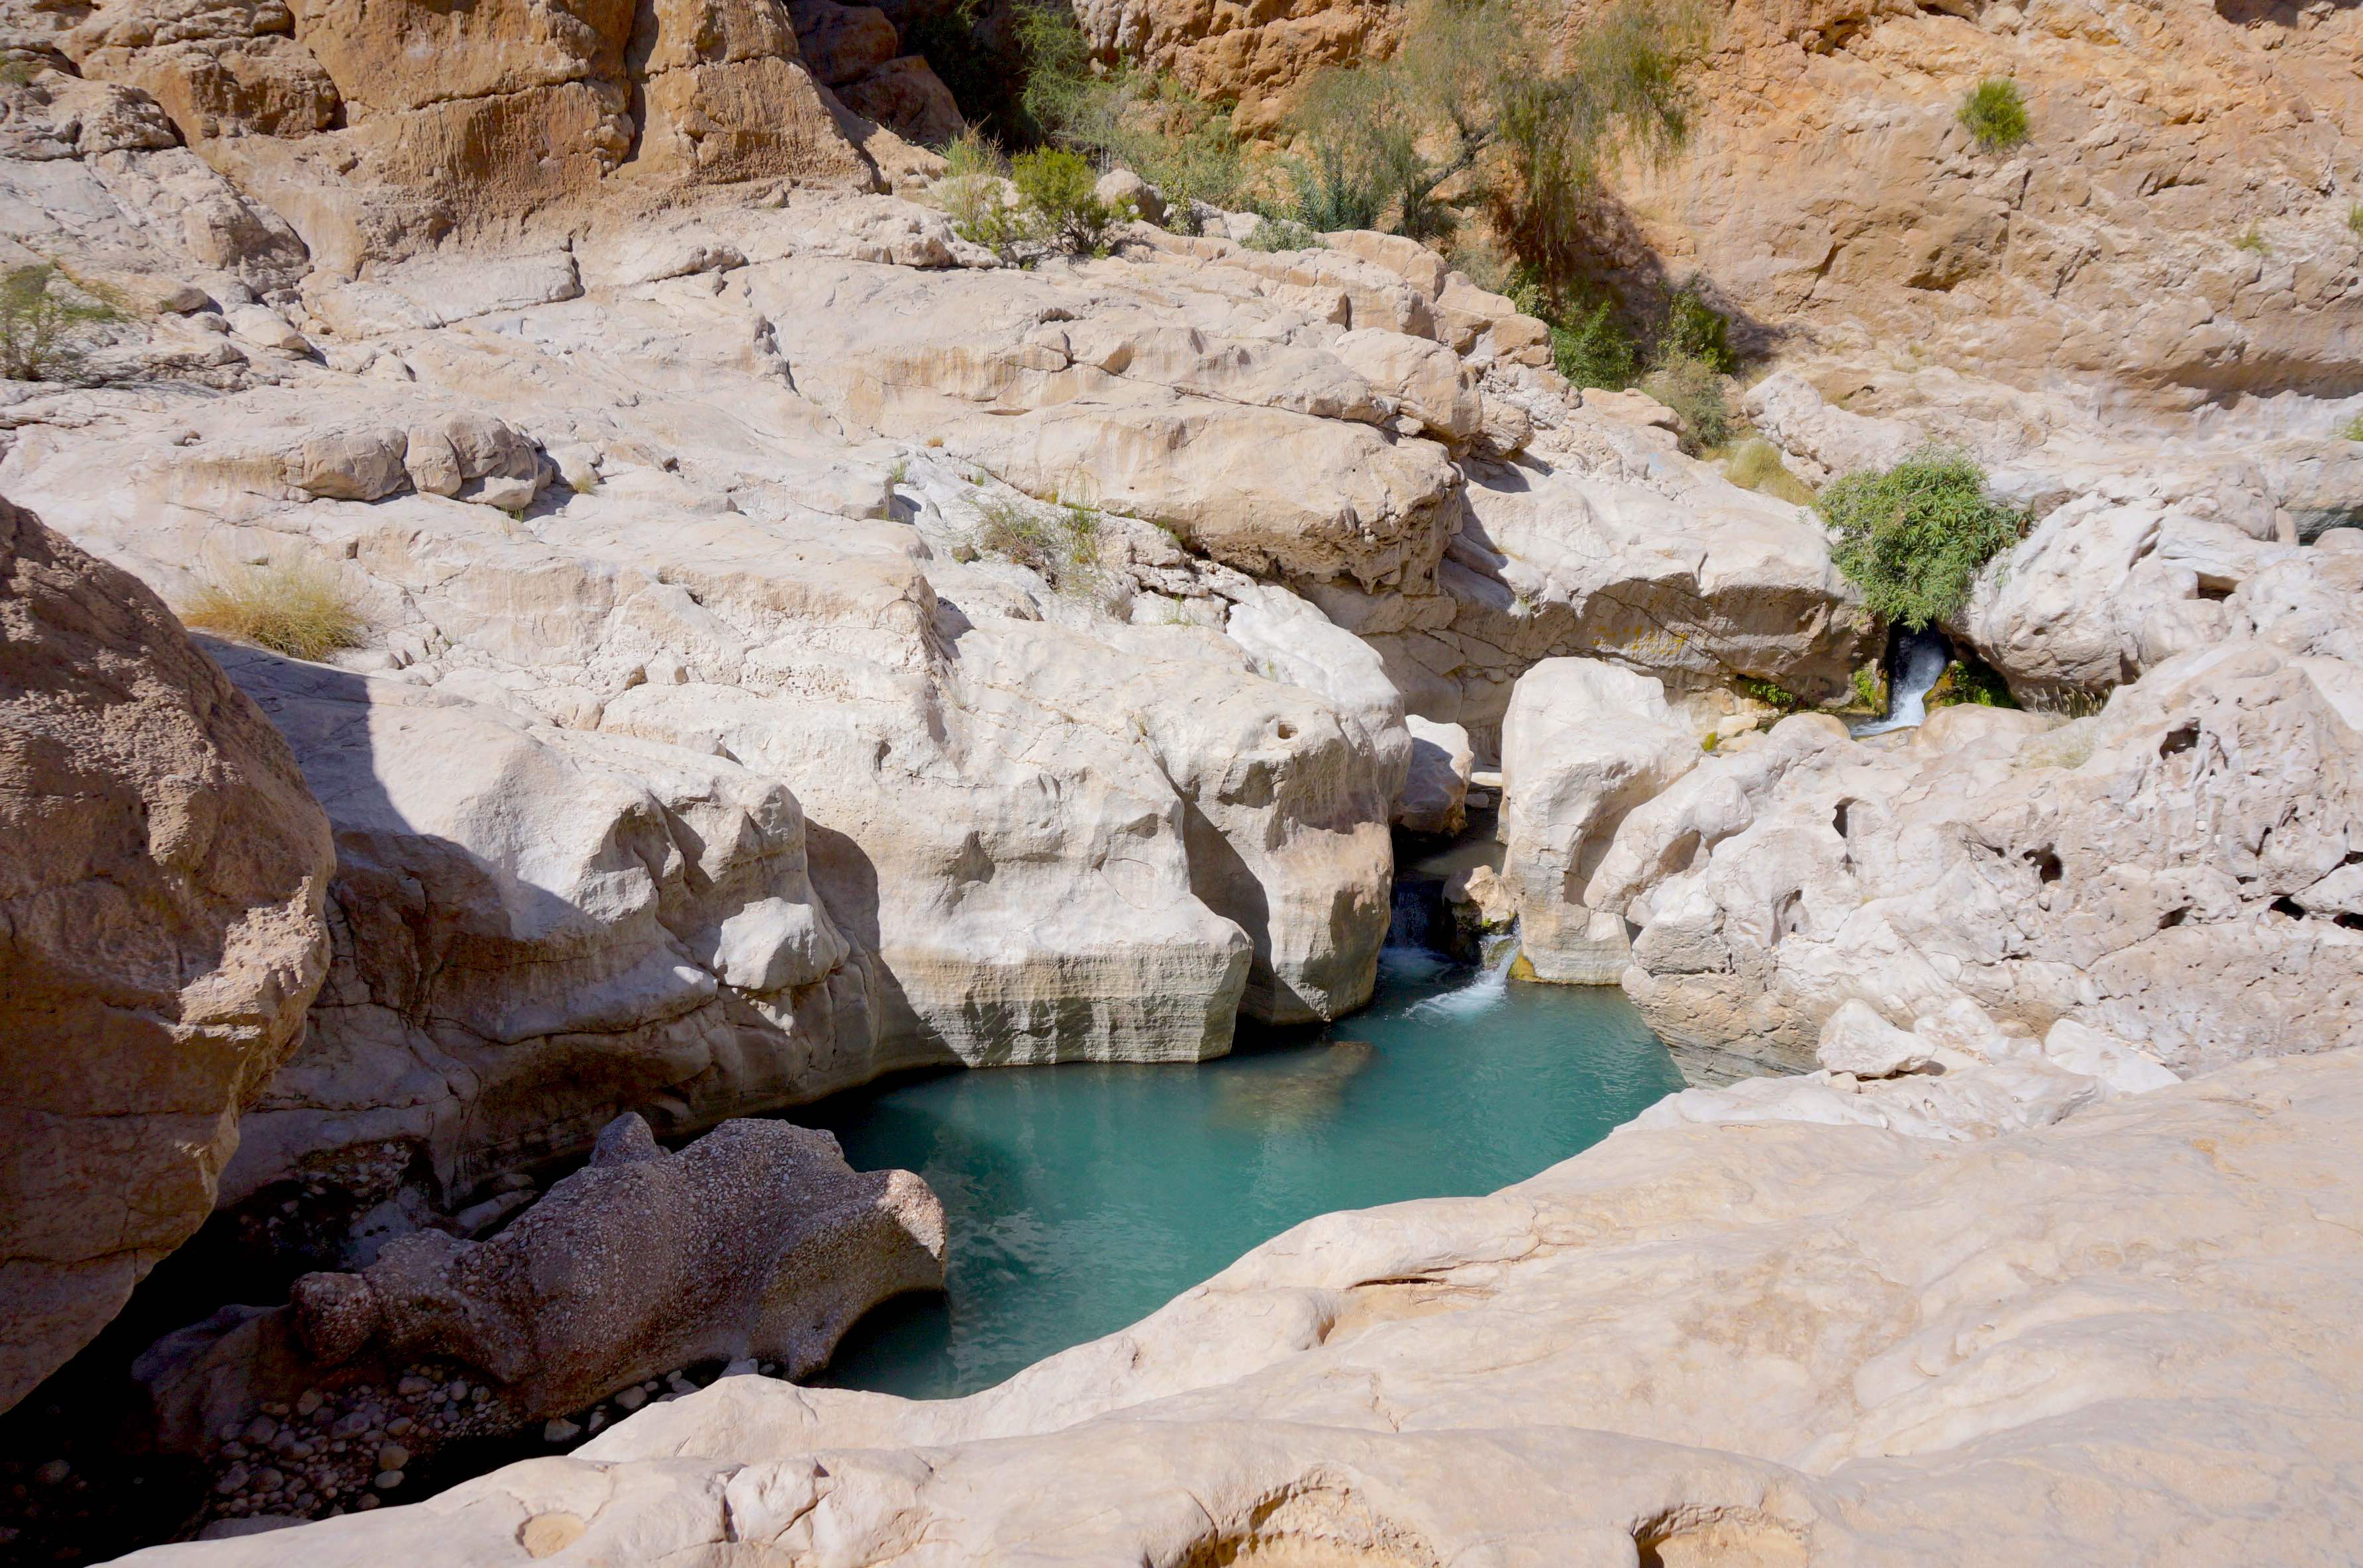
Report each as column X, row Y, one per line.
column 1379, row 784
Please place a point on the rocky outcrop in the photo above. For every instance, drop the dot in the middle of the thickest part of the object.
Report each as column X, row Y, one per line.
column 2167, row 872
column 1584, row 743
column 162, row 897
column 756, row 1241
column 377, row 130
column 534, row 928
column 1855, row 1342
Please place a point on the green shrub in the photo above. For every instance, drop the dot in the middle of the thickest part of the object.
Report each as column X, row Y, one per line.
column 972, row 193
column 301, row 610
column 1595, row 350
column 1063, row 208
column 1996, row 114
column 2252, row 238
column 1466, row 115
column 2352, row 430
column 1754, row 463
column 1281, row 234
column 42, row 326
column 1769, row 693
column 1696, row 330
column 1062, row 546
column 1693, row 390
column 1913, row 537
column 2355, row 218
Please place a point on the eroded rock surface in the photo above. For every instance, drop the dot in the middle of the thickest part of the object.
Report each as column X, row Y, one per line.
column 2169, row 871
column 164, row 871
column 1856, row 1346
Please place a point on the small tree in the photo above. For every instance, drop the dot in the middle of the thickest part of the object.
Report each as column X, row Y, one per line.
column 1060, row 194
column 1477, row 109
column 41, row 328
column 1913, row 537
column 1996, row 114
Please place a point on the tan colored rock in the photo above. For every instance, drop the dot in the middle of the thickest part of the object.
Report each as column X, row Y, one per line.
column 1435, row 791
column 162, row 897
column 1420, row 1382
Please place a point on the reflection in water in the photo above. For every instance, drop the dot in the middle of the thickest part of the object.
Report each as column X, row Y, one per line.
column 1312, row 1089
column 1082, row 1197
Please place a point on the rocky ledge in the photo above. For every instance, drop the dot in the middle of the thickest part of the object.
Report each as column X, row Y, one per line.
column 1755, row 1341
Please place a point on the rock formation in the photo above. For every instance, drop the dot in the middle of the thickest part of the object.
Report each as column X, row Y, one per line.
column 2056, row 1343
column 2170, row 871
column 164, row 873
column 756, row 1241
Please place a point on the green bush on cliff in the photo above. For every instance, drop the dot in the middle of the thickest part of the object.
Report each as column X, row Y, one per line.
column 1913, row 537
column 1996, row 114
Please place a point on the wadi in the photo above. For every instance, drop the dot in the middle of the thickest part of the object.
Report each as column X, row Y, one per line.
column 1367, row 782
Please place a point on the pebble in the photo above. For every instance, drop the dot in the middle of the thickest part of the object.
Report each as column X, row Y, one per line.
column 260, row 1430
column 393, row 1456
column 268, row 1479
column 401, row 1426
column 309, row 1402
column 233, row 1480
column 387, row 1480
column 413, row 1386
column 457, row 1391
column 560, row 1431
column 742, row 1367
column 632, row 1398
column 598, row 1419
column 369, row 1500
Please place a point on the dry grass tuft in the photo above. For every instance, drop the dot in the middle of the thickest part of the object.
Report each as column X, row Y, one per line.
column 299, row 610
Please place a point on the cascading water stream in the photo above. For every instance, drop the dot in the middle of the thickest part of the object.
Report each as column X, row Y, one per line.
column 1915, row 662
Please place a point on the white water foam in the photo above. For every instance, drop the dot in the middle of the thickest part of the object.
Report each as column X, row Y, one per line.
column 1484, row 990
column 1919, row 664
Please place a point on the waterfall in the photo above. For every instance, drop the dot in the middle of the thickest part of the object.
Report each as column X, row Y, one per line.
column 1484, row 989
column 1915, row 662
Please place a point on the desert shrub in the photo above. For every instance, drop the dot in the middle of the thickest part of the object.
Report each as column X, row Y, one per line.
column 1754, row 463
column 1594, row 348
column 1062, row 544
column 1281, row 234
column 42, row 325
column 2252, row 238
column 2355, row 218
column 1696, row 330
column 1693, row 390
column 1058, row 189
column 1913, row 537
column 300, row 608
column 2352, row 430
column 1996, row 114
column 971, row 192
column 1971, row 681
column 1463, row 118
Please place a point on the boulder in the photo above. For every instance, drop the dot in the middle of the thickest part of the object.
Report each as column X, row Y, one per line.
column 1435, row 791
column 165, row 874
column 1584, row 743
column 755, row 1241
